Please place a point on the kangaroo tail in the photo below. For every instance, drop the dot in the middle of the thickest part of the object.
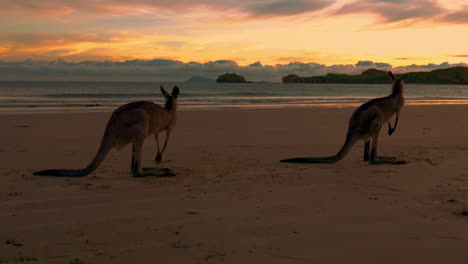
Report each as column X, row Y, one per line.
column 350, row 141
column 104, row 148
column 331, row 159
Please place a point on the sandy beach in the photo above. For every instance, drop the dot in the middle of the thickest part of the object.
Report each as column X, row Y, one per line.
column 232, row 201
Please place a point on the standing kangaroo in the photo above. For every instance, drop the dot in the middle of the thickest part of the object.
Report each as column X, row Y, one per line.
column 365, row 124
column 131, row 124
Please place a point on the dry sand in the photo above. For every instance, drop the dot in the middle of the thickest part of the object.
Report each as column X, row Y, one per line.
column 232, row 201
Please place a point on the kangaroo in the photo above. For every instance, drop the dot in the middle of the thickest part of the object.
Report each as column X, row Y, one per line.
column 365, row 124
column 130, row 124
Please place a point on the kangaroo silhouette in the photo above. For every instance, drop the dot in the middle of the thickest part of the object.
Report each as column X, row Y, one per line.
column 365, row 124
column 130, row 124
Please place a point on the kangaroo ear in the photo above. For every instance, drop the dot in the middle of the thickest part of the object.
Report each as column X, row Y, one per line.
column 164, row 91
column 404, row 77
column 391, row 75
column 175, row 91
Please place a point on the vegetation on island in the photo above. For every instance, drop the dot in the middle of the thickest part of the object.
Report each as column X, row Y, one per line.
column 455, row 75
column 230, row 78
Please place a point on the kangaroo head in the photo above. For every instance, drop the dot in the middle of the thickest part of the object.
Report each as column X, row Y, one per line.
column 171, row 99
column 397, row 86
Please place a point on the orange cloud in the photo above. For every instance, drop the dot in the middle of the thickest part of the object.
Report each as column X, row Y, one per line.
column 40, row 40
column 50, row 46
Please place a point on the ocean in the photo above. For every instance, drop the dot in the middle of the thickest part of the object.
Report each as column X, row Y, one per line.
column 60, row 97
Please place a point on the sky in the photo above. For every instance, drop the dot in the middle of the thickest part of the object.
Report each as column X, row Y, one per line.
column 246, row 35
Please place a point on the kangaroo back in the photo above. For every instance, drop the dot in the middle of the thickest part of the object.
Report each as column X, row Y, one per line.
column 104, row 148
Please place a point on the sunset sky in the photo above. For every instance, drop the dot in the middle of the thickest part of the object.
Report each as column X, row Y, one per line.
column 399, row 32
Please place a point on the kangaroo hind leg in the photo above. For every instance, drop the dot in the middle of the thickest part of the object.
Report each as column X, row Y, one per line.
column 366, row 150
column 375, row 159
column 136, row 164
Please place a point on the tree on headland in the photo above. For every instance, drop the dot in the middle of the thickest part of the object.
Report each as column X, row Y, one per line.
column 230, row 78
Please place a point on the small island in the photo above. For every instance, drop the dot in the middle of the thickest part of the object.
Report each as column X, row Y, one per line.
column 230, row 78
column 454, row 75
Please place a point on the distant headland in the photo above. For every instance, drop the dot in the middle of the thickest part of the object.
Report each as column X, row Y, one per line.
column 455, row 75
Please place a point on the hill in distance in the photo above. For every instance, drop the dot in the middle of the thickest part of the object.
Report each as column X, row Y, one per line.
column 455, row 75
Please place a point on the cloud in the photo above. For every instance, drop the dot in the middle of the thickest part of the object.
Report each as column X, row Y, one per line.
column 50, row 8
column 108, row 7
column 71, row 46
column 388, row 11
column 256, row 64
column 176, row 71
column 18, row 40
column 457, row 17
column 171, row 44
column 393, row 11
column 285, row 7
column 461, row 56
column 372, row 64
column 225, row 62
column 58, row 52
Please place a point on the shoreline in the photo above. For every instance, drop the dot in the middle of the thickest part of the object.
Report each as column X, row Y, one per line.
column 238, row 107
column 214, row 82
